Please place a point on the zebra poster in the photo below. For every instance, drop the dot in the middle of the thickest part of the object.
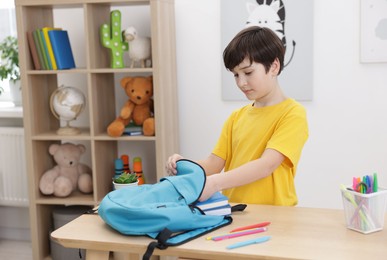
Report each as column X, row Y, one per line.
column 292, row 20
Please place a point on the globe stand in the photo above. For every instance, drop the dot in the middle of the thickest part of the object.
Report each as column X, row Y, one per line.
column 68, row 130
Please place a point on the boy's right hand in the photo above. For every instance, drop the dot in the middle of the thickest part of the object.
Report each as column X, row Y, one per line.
column 170, row 165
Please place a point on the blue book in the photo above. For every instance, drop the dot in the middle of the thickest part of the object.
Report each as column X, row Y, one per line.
column 62, row 49
column 215, row 201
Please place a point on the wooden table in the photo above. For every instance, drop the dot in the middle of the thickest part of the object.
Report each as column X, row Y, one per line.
column 296, row 233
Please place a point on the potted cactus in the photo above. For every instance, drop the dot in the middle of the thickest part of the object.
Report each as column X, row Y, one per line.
column 125, row 180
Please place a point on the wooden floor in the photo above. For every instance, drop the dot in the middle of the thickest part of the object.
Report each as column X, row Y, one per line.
column 15, row 250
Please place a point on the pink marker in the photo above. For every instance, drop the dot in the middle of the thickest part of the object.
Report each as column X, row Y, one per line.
column 239, row 234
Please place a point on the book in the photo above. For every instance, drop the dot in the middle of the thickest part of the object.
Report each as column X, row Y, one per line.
column 215, row 201
column 39, row 47
column 133, row 129
column 219, row 211
column 44, row 49
column 33, row 50
column 50, row 52
column 61, row 47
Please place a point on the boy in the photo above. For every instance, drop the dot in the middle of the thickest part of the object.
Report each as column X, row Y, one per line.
column 261, row 143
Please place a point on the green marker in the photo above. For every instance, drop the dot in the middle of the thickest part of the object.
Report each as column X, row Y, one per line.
column 375, row 182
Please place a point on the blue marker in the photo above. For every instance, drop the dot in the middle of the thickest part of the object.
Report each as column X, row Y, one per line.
column 249, row 242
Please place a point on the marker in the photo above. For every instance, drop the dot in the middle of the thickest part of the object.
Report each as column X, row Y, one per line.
column 239, row 234
column 375, row 182
column 263, row 224
column 249, row 242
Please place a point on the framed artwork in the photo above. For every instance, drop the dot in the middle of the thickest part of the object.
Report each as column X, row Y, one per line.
column 292, row 20
column 373, row 31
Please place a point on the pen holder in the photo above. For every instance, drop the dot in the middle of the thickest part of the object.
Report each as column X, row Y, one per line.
column 364, row 212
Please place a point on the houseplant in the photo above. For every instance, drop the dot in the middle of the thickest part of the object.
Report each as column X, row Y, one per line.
column 9, row 64
column 125, row 180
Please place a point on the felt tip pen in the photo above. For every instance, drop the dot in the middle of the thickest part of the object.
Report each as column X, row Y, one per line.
column 263, row 224
column 249, row 242
column 239, row 234
column 375, row 184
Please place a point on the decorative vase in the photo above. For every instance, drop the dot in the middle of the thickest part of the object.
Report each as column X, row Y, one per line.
column 15, row 90
column 124, row 185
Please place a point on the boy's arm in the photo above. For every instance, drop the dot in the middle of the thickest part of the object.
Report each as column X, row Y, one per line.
column 247, row 173
column 212, row 164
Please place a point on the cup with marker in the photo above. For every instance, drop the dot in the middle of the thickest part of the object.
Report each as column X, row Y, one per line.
column 364, row 204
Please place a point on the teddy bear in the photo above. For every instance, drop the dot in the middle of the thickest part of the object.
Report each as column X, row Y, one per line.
column 69, row 174
column 138, row 108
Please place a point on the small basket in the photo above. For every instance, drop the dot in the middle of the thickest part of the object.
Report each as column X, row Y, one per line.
column 364, row 212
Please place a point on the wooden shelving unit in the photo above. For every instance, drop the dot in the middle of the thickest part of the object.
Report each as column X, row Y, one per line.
column 99, row 81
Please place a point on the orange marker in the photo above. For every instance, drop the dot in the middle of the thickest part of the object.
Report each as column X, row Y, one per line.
column 263, row 224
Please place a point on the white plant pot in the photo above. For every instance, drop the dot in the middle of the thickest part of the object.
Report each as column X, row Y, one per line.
column 125, row 185
column 16, row 95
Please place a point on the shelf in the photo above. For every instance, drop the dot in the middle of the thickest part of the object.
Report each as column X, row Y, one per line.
column 75, row 199
column 84, row 70
column 104, row 98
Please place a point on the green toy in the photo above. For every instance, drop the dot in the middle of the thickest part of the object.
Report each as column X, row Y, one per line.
column 112, row 39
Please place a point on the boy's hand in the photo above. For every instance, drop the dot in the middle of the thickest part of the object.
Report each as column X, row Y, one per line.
column 210, row 188
column 170, row 165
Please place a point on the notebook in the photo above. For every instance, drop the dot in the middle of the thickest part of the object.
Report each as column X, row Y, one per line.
column 62, row 49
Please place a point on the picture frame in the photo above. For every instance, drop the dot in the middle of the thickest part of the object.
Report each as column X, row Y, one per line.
column 373, row 31
column 296, row 79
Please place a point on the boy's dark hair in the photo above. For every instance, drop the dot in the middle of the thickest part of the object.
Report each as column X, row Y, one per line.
column 259, row 44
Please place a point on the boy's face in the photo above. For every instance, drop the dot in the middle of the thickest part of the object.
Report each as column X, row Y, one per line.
column 253, row 80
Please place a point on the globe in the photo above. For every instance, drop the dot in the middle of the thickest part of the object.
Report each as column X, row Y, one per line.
column 66, row 104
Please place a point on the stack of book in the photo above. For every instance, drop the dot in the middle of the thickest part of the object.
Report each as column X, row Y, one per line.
column 50, row 49
column 217, row 204
column 133, row 129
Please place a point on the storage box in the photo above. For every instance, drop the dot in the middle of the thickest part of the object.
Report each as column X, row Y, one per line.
column 61, row 216
column 364, row 212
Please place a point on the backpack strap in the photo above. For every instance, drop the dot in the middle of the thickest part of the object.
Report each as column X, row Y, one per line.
column 238, row 207
column 162, row 238
column 166, row 238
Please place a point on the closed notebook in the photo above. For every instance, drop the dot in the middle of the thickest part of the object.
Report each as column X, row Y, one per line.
column 44, row 49
column 50, row 52
column 39, row 48
column 133, row 129
column 215, row 201
column 62, row 49
column 33, row 50
column 219, row 211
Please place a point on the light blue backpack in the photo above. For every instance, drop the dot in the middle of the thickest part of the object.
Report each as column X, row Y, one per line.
column 162, row 209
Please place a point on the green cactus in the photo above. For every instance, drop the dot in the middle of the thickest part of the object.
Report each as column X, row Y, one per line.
column 112, row 39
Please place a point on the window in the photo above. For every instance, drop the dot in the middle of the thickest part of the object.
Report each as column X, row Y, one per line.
column 7, row 28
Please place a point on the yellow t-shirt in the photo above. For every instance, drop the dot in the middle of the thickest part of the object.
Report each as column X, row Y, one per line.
column 248, row 132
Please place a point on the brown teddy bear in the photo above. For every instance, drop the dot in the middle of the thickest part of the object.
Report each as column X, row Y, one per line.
column 69, row 174
column 138, row 108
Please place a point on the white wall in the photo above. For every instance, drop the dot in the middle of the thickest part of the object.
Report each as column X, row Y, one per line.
column 347, row 117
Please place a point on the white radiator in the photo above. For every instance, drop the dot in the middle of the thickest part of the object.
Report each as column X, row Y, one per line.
column 13, row 174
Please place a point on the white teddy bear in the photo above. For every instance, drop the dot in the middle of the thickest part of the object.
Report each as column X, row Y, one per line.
column 69, row 174
column 139, row 47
